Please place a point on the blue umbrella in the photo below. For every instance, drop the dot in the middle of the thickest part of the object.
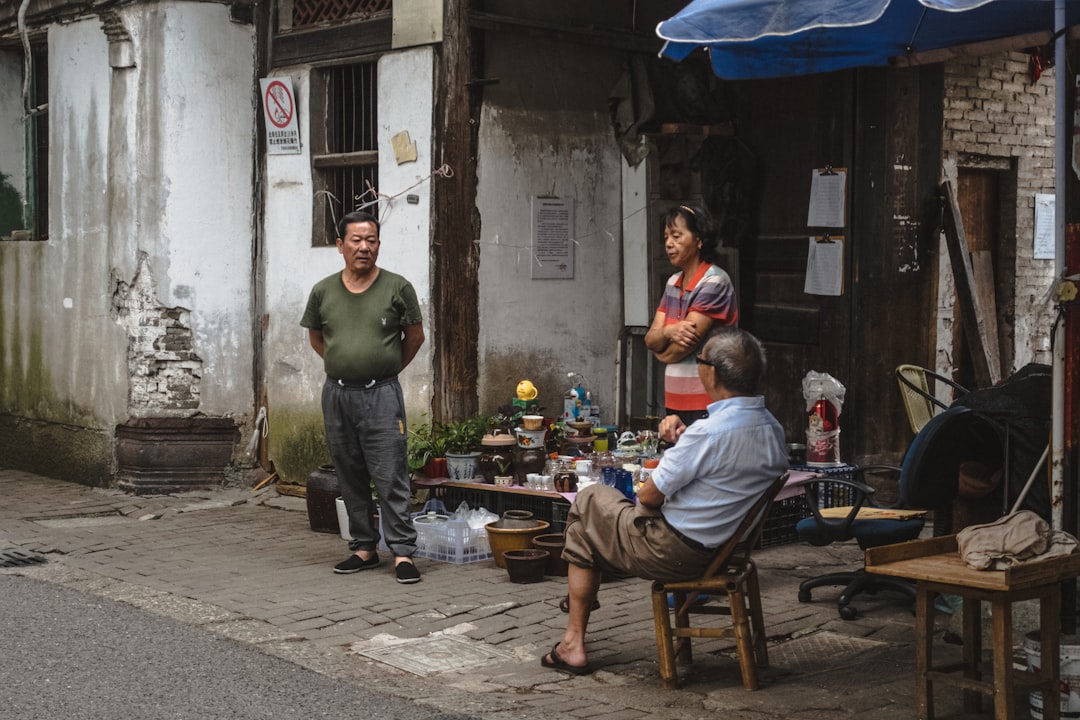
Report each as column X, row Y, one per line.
column 775, row 38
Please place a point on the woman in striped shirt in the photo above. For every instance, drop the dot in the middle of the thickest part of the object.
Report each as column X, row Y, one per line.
column 697, row 299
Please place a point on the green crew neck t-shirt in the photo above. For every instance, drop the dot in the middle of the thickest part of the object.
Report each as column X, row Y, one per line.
column 362, row 331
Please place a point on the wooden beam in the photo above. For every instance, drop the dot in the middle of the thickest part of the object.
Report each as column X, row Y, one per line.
column 973, row 316
column 349, row 159
column 455, row 261
column 987, row 47
column 595, row 36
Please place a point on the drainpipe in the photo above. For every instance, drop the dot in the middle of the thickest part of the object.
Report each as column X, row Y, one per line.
column 28, row 118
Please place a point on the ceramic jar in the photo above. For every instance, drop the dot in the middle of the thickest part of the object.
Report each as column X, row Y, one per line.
column 496, row 456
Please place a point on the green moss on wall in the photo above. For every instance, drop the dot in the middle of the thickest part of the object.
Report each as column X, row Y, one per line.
column 297, row 444
column 26, row 387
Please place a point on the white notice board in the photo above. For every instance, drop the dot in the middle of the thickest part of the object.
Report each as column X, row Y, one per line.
column 552, row 244
column 1045, row 241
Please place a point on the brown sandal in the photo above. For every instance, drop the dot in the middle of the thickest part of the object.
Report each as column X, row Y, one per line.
column 564, row 604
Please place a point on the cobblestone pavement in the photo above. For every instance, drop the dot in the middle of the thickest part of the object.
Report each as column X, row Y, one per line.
column 247, row 565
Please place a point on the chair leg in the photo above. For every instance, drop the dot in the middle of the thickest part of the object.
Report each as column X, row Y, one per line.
column 757, row 619
column 743, row 638
column 665, row 649
column 683, row 652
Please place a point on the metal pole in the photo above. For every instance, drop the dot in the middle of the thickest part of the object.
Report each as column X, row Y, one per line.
column 1057, row 404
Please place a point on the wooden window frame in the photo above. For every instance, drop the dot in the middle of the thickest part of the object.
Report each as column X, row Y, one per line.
column 344, row 141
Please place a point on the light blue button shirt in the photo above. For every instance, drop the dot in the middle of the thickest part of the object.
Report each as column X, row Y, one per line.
column 719, row 467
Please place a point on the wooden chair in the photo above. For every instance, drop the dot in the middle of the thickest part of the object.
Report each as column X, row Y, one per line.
column 730, row 576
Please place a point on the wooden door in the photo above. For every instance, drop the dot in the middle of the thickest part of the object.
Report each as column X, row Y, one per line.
column 793, row 126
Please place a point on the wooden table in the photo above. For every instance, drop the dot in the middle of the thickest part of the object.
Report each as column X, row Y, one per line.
column 936, row 567
column 549, row 506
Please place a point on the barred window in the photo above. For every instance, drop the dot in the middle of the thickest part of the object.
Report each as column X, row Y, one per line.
column 345, row 152
column 313, row 12
column 24, row 201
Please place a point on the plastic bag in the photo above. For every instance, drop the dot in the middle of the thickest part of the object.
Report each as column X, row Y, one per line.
column 824, row 396
column 476, row 518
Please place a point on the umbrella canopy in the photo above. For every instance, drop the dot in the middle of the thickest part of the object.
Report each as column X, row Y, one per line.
column 774, row 38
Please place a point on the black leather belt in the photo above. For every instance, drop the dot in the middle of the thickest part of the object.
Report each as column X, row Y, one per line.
column 360, row 386
column 689, row 542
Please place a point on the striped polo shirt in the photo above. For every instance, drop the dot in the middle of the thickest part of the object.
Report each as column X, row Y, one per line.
column 711, row 293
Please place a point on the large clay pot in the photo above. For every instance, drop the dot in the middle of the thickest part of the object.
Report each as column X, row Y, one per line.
column 496, row 456
column 554, row 544
column 528, row 460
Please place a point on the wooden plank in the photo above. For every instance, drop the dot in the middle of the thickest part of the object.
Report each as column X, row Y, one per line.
column 905, row 551
column 455, row 295
column 982, row 272
column 973, row 317
column 341, row 41
column 349, row 159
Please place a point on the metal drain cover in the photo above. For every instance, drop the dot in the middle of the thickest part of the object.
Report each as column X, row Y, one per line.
column 818, row 651
column 14, row 557
column 436, row 654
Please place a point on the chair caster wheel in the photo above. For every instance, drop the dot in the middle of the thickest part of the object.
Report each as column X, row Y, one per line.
column 848, row 613
column 804, row 596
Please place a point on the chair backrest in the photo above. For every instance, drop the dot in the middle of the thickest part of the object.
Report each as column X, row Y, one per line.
column 918, row 402
column 745, row 538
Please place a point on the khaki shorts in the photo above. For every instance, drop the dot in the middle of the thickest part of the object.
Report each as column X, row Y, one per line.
column 606, row 531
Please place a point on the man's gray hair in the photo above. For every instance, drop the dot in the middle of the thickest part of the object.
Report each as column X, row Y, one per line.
column 739, row 360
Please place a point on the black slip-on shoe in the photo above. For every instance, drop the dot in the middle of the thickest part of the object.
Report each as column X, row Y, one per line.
column 407, row 573
column 354, row 563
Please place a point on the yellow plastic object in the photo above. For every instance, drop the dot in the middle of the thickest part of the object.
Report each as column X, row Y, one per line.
column 526, row 390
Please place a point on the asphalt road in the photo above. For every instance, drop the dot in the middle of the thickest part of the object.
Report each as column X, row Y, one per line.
column 65, row 655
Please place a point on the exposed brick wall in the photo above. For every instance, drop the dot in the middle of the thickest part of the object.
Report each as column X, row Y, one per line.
column 164, row 371
column 996, row 117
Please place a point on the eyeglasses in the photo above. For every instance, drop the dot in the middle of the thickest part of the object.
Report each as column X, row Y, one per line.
column 702, row 361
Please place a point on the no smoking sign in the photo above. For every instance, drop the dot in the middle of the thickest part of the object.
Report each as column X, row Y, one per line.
column 279, row 111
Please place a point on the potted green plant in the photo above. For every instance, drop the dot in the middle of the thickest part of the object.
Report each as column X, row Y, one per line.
column 462, row 439
column 426, row 450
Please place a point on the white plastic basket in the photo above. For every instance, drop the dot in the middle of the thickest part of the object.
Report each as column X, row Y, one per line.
column 437, row 538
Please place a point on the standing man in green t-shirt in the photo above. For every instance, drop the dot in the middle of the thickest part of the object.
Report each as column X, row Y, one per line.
column 365, row 324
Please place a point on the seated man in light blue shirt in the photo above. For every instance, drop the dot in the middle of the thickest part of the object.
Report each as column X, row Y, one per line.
column 697, row 496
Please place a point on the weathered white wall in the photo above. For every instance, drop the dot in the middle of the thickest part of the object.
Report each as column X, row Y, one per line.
column 62, row 347
column 545, row 130
column 294, row 372
column 150, row 204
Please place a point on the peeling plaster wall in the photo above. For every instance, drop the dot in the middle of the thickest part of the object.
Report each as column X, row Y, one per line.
column 188, row 204
column 150, row 189
column 294, row 372
column 545, row 130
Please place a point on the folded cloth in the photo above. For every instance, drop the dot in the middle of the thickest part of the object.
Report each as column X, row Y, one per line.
column 1012, row 539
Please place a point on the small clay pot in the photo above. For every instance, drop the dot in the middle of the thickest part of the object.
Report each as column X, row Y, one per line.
column 526, row 566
